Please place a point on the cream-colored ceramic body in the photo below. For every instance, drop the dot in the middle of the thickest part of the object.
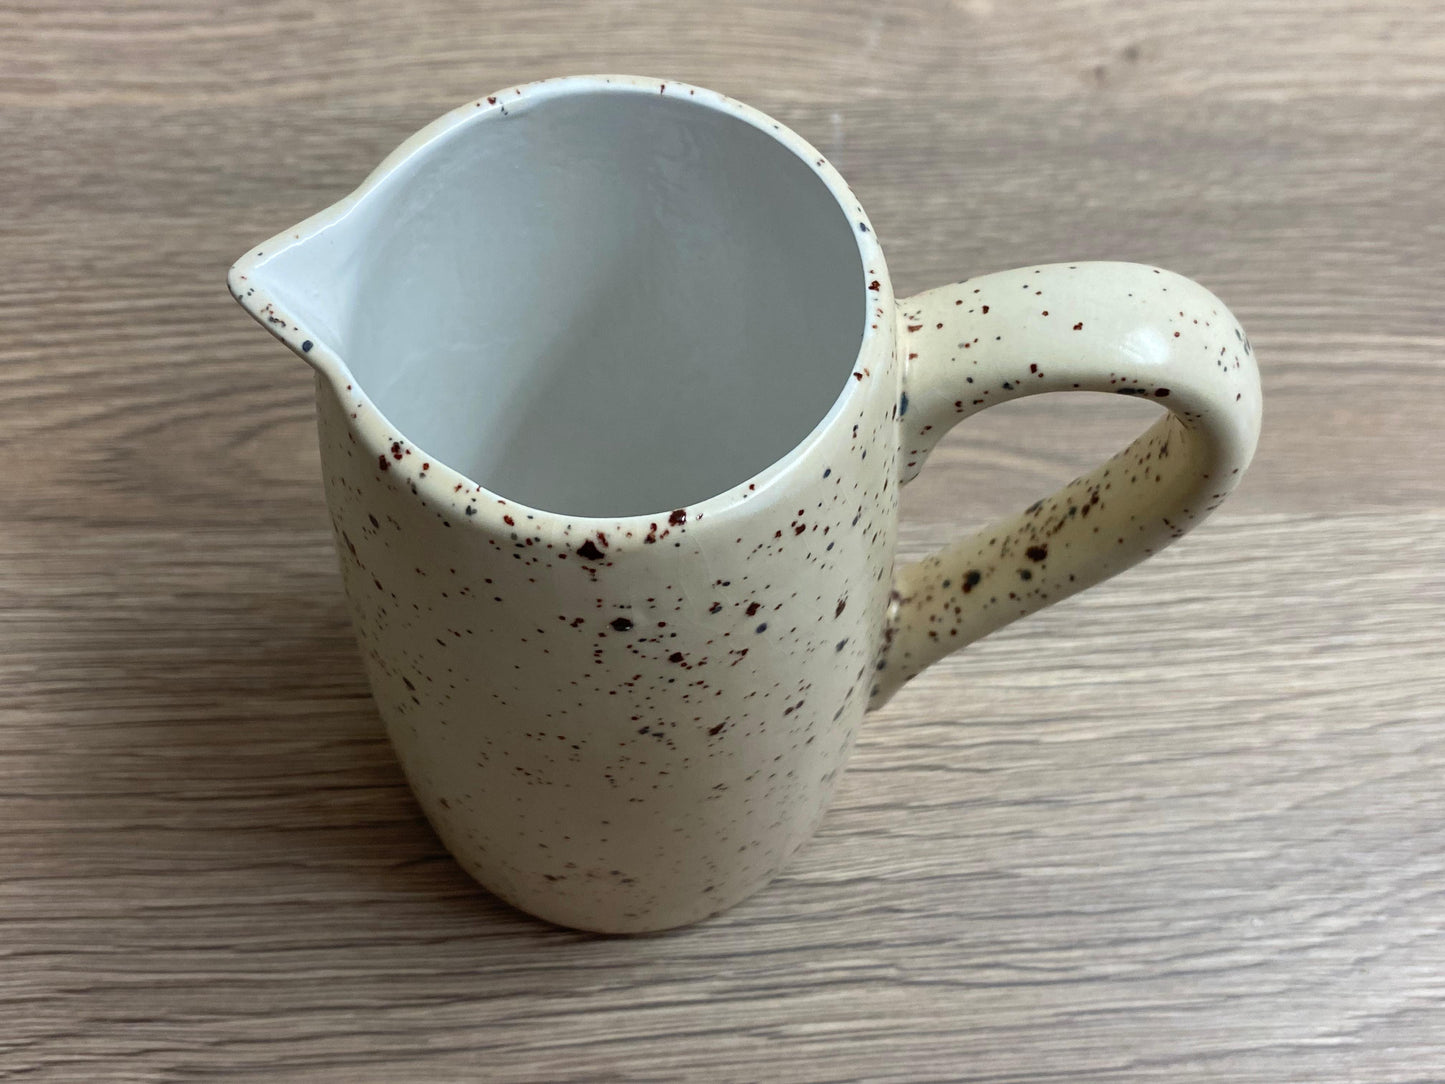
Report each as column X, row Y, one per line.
column 626, row 723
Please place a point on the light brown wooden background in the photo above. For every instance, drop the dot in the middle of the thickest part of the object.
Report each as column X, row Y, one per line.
column 1189, row 826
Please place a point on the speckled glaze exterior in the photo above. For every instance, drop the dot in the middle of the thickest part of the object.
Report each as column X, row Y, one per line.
column 629, row 724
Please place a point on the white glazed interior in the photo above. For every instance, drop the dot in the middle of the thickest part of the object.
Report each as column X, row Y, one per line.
column 597, row 304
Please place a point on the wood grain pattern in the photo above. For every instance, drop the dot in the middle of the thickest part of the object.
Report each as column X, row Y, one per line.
column 1188, row 825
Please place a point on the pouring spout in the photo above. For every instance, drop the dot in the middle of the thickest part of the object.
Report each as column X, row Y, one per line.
column 299, row 284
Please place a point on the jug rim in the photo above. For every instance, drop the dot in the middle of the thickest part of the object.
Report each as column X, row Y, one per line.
column 448, row 487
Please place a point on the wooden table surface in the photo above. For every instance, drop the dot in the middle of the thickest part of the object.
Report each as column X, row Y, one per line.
column 1205, row 842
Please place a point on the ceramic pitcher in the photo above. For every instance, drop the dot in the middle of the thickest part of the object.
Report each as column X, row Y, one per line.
column 615, row 401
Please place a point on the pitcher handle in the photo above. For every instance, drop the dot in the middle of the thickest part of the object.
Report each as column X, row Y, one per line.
column 1123, row 328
